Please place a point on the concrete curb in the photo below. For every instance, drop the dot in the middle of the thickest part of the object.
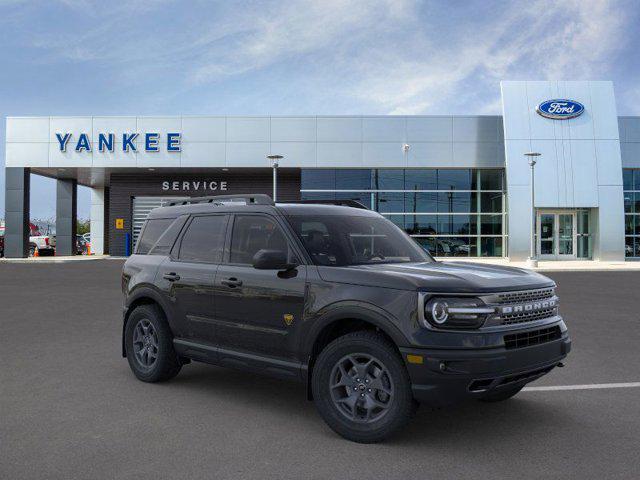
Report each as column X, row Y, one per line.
column 49, row 260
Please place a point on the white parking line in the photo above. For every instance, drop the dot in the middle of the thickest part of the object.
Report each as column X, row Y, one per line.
column 592, row 386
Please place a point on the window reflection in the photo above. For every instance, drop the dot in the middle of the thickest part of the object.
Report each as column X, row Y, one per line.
column 631, row 182
column 451, row 212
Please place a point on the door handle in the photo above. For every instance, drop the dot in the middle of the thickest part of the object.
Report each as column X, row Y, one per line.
column 231, row 282
column 172, row 276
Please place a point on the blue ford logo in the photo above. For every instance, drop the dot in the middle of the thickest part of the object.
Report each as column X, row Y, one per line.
column 560, row 109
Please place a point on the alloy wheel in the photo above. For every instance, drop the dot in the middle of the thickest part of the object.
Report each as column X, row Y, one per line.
column 145, row 343
column 361, row 388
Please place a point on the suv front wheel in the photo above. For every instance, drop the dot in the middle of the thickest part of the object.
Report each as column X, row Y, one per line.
column 149, row 345
column 361, row 387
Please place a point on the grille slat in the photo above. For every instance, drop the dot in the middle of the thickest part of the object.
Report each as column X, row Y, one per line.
column 534, row 337
column 514, row 318
column 525, row 296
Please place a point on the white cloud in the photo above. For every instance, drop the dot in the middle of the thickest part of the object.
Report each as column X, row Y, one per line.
column 391, row 56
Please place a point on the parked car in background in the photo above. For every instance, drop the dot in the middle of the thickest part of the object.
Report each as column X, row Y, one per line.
column 44, row 243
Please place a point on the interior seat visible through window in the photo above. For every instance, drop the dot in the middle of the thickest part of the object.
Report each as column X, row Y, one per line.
column 252, row 233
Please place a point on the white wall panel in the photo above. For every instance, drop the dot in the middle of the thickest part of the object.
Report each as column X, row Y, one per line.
column 476, row 154
column 293, row 129
column 584, row 182
column 537, row 92
column 384, row 129
column 516, row 109
column 247, row 154
column 430, row 154
column 518, row 197
column 429, row 129
column 203, row 154
column 27, row 154
column 204, row 129
column 248, row 129
column 117, row 158
column 27, row 129
column 610, row 224
column 296, row 154
column 605, row 151
column 342, row 154
column 116, row 125
column 74, row 125
column 70, row 158
column 475, row 129
column 339, row 129
column 604, row 113
column 383, row 155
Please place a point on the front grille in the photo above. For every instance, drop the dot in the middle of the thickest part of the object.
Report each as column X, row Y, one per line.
column 513, row 318
column 534, row 337
column 525, row 296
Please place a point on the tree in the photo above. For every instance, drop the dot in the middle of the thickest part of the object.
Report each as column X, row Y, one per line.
column 84, row 226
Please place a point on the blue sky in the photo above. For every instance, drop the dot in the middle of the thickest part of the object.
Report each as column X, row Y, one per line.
column 76, row 57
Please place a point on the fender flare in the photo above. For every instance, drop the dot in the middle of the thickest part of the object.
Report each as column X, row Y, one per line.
column 354, row 310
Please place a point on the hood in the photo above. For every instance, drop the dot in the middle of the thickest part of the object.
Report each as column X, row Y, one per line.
column 449, row 277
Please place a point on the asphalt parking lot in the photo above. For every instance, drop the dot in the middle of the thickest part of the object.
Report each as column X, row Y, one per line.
column 70, row 408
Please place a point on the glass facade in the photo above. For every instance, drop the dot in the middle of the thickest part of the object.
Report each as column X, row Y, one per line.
column 631, row 180
column 451, row 212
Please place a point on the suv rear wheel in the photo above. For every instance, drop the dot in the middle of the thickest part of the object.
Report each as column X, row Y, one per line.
column 149, row 345
column 361, row 387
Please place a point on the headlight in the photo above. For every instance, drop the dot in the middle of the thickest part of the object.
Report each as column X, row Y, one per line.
column 455, row 312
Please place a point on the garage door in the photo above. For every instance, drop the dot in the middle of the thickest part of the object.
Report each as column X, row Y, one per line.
column 141, row 208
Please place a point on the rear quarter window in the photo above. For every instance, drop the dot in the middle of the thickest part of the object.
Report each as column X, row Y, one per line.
column 151, row 233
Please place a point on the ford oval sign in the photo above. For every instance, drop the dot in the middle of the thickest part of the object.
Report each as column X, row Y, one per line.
column 560, row 109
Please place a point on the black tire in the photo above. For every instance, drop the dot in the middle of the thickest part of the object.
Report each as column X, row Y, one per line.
column 166, row 363
column 400, row 405
column 501, row 395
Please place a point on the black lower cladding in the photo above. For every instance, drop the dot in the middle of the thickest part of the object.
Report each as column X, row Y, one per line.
column 449, row 376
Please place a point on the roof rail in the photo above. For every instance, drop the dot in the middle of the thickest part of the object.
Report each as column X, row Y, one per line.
column 340, row 203
column 255, row 199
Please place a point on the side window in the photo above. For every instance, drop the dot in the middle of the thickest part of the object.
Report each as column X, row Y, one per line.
column 151, row 233
column 204, row 239
column 318, row 241
column 253, row 233
column 168, row 238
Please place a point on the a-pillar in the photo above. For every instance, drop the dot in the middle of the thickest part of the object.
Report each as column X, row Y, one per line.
column 66, row 217
column 17, row 190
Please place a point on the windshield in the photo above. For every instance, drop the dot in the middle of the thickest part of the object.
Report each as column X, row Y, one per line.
column 341, row 240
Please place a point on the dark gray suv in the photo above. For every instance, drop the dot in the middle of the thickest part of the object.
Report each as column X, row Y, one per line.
column 336, row 297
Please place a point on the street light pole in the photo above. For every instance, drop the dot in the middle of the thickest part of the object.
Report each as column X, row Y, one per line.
column 532, row 262
column 274, row 163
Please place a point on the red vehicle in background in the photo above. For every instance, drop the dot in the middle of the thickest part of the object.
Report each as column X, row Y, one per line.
column 44, row 244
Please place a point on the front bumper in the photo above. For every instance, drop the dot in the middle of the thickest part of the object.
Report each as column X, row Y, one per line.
column 448, row 376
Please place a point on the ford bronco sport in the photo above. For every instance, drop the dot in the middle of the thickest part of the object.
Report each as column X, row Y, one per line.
column 336, row 297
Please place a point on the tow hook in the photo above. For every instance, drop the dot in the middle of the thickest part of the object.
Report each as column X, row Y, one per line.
column 560, row 365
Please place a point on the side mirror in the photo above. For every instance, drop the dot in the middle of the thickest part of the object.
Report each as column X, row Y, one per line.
column 272, row 260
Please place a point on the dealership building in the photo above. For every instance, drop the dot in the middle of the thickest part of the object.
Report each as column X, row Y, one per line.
column 461, row 185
